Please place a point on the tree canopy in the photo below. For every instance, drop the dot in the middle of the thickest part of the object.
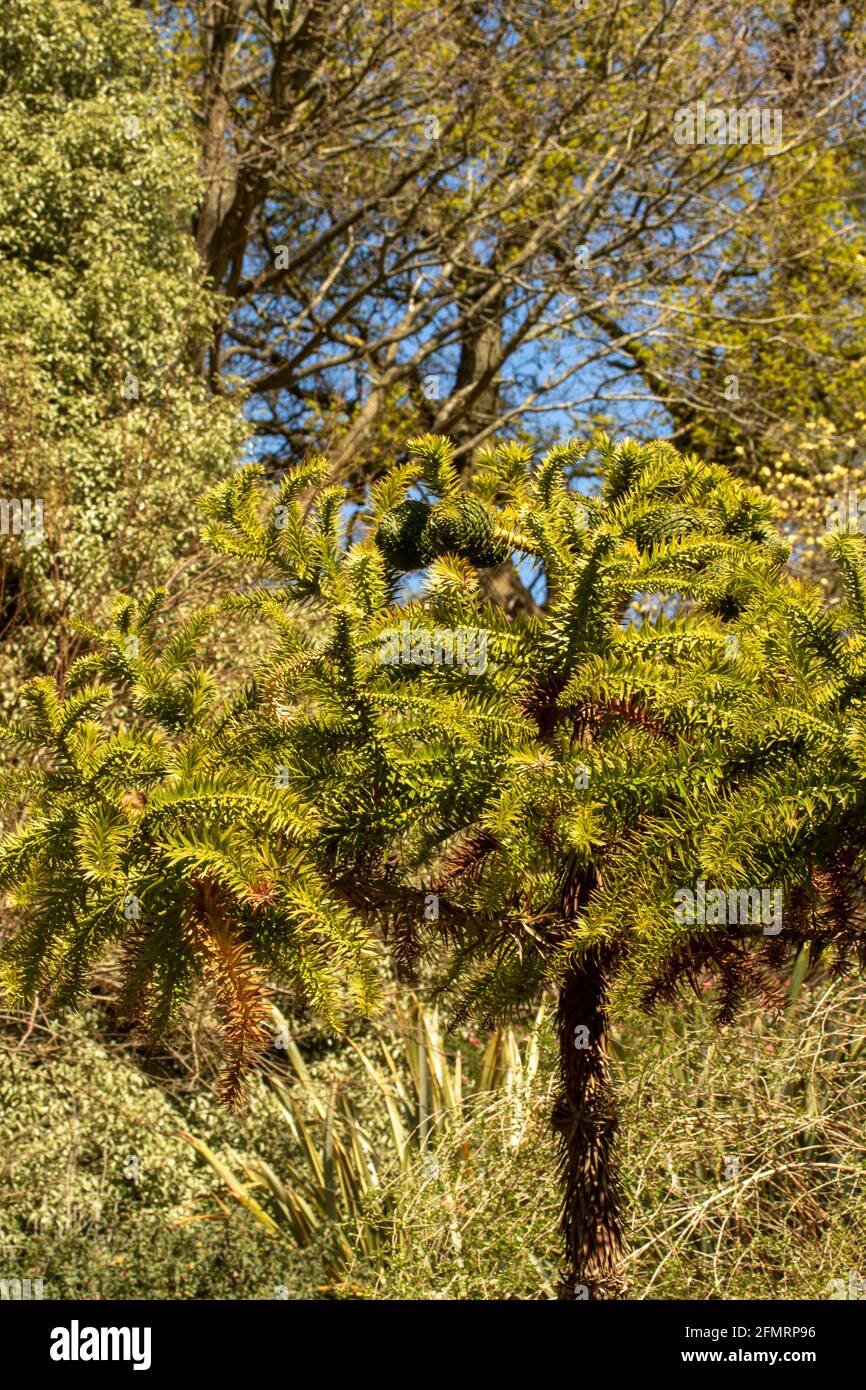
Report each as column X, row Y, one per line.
column 527, row 798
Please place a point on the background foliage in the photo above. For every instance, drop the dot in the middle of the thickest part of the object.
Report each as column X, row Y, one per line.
column 199, row 192
column 103, row 312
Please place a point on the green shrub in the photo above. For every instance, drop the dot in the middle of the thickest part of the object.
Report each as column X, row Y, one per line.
column 102, row 1199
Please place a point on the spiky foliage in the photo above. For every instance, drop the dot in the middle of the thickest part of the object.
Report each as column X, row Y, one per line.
column 524, row 796
column 163, row 826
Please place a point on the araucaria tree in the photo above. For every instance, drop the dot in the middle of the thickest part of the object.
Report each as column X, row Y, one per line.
column 601, row 798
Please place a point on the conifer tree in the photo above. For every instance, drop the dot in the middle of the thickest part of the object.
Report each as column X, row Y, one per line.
column 530, row 800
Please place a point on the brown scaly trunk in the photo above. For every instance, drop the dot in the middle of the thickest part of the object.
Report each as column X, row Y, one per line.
column 584, row 1118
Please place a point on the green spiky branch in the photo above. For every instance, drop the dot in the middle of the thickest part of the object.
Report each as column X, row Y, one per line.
column 548, row 783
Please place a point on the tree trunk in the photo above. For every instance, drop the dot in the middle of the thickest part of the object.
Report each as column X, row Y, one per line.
column 584, row 1118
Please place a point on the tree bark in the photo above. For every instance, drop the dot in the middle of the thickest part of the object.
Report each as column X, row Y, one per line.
column 585, row 1120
